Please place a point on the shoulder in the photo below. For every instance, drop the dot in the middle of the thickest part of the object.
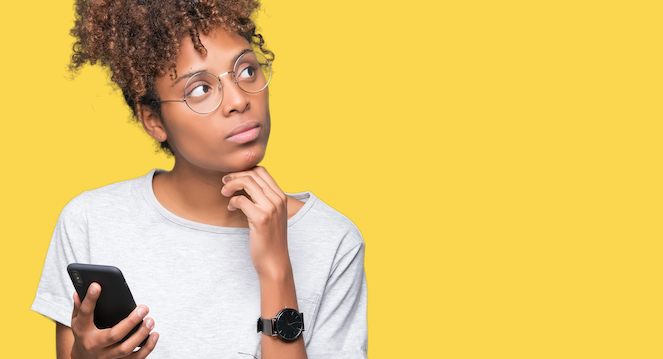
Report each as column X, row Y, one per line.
column 327, row 223
column 107, row 198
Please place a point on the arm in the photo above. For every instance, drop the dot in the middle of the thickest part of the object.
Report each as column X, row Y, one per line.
column 275, row 294
column 266, row 212
column 64, row 340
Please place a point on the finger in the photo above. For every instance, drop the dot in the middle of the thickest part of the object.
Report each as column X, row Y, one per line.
column 129, row 345
column 252, row 212
column 238, row 183
column 146, row 349
column 77, row 306
column 269, row 185
column 250, row 173
column 233, row 176
column 86, row 309
column 261, row 196
column 265, row 176
column 276, row 195
column 121, row 329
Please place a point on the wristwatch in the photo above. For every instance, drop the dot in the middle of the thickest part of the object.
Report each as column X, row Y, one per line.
column 288, row 324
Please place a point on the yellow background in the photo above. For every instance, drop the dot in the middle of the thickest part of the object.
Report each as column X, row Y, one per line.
column 501, row 158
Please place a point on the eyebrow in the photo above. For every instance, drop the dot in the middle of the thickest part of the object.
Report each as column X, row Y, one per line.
column 191, row 73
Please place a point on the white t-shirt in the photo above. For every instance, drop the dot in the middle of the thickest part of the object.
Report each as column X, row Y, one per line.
column 198, row 279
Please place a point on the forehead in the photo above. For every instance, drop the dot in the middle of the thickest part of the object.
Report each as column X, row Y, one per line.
column 222, row 49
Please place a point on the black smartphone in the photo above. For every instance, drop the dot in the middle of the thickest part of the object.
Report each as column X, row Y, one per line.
column 115, row 302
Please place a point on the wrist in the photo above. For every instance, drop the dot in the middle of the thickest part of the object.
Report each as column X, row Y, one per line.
column 277, row 291
column 288, row 324
column 276, row 273
column 74, row 354
column 78, row 351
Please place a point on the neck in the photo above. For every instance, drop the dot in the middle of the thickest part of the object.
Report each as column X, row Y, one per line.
column 195, row 194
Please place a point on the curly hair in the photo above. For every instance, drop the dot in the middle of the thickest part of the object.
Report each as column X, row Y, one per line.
column 139, row 40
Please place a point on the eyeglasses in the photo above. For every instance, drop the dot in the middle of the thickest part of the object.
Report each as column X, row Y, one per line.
column 203, row 91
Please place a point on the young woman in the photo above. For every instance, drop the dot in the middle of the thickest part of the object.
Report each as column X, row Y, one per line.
column 213, row 246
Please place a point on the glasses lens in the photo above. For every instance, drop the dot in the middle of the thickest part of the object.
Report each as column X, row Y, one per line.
column 253, row 72
column 203, row 92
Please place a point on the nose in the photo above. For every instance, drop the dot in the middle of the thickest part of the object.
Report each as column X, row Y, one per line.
column 234, row 99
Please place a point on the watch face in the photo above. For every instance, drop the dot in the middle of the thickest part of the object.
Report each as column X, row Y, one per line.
column 289, row 324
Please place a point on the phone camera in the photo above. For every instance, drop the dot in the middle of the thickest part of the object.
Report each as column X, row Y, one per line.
column 77, row 278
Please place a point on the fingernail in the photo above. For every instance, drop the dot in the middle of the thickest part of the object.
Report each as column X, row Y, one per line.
column 226, row 178
column 155, row 337
column 149, row 323
column 93, row 290
column 231, row 208
column 142, row 312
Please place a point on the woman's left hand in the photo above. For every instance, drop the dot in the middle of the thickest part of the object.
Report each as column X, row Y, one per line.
column 267, row 214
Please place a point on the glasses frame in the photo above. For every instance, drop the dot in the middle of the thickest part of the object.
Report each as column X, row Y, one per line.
column 218, row 78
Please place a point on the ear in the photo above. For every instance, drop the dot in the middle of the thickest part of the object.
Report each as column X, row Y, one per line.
column 152, row 123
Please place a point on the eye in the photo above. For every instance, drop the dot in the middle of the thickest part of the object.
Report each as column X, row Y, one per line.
column 198, row 89
column 247, row 73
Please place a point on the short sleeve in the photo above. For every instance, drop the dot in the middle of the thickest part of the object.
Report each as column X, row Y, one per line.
column 54, row 298
column 340, row 328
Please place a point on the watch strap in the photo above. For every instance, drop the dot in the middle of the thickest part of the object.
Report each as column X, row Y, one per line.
column 266, row 326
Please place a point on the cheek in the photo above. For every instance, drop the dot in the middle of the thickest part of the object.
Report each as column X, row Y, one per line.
column 200, row 140
column 190, row 135
column 205, row 148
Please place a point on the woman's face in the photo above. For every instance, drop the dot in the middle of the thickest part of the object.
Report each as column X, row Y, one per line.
column 234, row 136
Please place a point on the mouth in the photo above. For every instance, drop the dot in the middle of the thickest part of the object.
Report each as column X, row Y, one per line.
column 244, row 133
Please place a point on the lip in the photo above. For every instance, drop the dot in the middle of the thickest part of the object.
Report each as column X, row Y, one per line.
column 244, row 133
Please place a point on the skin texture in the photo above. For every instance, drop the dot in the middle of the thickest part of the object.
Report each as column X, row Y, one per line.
column 214, row 181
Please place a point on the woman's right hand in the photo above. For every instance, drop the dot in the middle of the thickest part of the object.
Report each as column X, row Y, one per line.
column 91, row 342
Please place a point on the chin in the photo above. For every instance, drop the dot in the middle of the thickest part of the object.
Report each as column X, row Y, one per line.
column 248, row 159
column 253, row 158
